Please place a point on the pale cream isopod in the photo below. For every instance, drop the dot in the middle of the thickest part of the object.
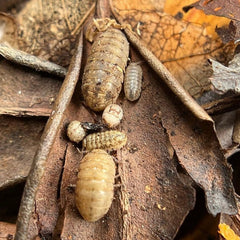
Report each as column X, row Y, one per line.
column 75, row 131
column 133, row 81
column 112, row 115
column 95, row 185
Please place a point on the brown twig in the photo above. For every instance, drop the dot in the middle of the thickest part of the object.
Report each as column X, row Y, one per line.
column 83, row 19
column 48, row 138
column 222, row 105
column 65, row 16
column 31, row 61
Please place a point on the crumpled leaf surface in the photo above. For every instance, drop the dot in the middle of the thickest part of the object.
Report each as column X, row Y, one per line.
column 226, row 8
column 182, row 46
column 224, row 78
column 25, row 91
column 19, row 140
column 46, row 27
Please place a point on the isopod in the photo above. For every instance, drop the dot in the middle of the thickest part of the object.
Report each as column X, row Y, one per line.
column 133, row 81
column 105, row 140
column 75, row 131
column 95, row 184
column 112, row 115
column 103, row 73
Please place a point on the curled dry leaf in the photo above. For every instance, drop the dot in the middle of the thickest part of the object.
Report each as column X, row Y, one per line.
column 226, row 79
column 182, row 46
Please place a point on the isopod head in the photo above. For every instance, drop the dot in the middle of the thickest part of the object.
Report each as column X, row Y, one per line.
column 112, row 115
column 75, row 131
column 94, row 188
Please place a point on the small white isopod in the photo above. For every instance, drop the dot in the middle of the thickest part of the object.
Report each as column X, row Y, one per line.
column 133, row 81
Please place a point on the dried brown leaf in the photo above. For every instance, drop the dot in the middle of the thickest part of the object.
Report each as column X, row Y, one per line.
column 183, row 47
column 226, row 79
column 25, row 92
column 198, row 151
column 19, row 140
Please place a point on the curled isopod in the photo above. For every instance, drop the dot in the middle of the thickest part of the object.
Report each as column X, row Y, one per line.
column 95, row 184
column 103, row 73
column 75, row 131
column 133, row 81
column 105, row 140
column 112, row 115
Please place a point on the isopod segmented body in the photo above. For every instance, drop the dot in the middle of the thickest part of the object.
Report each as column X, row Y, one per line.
column 103, row 73
column 133, row 81
column 105, row 140
column 94, row 188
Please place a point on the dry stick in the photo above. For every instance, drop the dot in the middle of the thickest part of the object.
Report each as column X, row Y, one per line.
column 83, row 19
column 167, row 77
column 47, row 140
column 31, row 61
column 65, row 16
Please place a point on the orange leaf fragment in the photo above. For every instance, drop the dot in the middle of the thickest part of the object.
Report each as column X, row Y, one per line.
column 196, row 16
column 227, row 232
column 217, row 9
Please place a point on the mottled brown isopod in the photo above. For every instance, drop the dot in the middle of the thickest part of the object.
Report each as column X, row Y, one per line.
column 105, row 140
column 112, row 115
column 103, row 73
column 133, row 81
column 94, row 188
column 75, row 131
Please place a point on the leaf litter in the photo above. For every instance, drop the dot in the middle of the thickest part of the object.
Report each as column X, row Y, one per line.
column 134, row 216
